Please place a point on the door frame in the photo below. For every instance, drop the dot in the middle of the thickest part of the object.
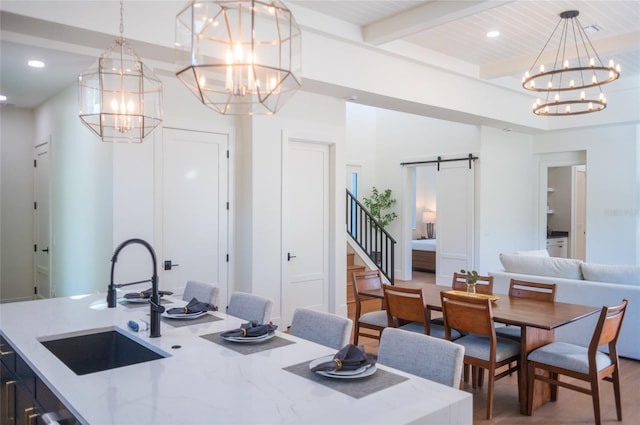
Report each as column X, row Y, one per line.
column 158, row 237
column 551, row 160
column 44, row 141
column 335, row 304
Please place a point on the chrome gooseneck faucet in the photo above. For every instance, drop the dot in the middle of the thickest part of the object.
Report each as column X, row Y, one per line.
column 154, row 302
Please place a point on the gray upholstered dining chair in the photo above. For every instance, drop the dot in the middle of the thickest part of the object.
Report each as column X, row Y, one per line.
column 250, row 307
column 587, row 364
column 202, row 291
column 422, row 355
column 322, row 328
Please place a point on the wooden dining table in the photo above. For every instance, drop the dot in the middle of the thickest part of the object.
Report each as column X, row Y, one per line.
column 537, row 321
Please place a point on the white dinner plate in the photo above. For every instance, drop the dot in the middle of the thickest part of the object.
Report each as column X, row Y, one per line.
column 361, row 372
column 247, row 339
column 135, row 300
column 184, row 316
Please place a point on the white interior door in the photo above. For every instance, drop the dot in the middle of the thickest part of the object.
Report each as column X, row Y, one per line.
column 194, row 209
column 454, row 225
column 42, row 252
column 305, row 227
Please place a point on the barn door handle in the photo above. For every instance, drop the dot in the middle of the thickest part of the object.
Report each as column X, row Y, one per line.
column 289, row 256
column 46, row 249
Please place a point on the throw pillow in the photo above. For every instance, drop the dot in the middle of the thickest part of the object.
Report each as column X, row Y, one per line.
column 534, row 253
column 566, row 268
column 629, row 275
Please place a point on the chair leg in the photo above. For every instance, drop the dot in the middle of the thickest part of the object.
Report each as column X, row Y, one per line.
column 356, row 333
column 492, row 380
column 615, row 377
column 554, row 388
column 532, row 381
column 465, row 373
column 480, row 377
column 595, row 398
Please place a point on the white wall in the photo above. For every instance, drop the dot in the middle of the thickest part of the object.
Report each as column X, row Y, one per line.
column 506, row 197
column 81, row 198
column 613, row 187
column 305, row 116
column 16, row 204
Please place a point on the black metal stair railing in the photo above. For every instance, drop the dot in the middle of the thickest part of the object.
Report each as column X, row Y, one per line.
column 376, row 242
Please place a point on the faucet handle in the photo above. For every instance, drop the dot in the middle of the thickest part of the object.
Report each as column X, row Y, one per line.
column 156, row 308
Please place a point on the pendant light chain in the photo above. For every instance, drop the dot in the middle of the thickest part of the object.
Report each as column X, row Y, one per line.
column 122, row 19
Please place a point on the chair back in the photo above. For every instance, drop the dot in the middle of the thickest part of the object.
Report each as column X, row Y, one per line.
column 422, row 355
column 404, row 305
column 322, row 328
column 532, row 290
column 608, row 328
column 467, row 314
column 250, row 307
column 484, row 285
column 363, row 281
column 203, row 292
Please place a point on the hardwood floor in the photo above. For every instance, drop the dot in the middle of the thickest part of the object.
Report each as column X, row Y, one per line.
column 572, row 407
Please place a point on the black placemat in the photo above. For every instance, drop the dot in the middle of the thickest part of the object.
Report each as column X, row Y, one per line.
column 178, row 323
column 356, row 388
column 246, row 347
column 136, row 305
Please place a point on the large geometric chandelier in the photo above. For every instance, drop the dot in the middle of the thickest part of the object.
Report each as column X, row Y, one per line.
column 120, row 98
column 239, row 57
column 573, row 83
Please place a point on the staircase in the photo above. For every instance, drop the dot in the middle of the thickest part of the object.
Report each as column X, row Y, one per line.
column 351, row 267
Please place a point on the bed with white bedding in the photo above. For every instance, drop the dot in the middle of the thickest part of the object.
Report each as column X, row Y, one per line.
column 423, row 254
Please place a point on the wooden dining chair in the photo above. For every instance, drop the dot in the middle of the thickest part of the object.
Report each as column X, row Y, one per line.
column 407, row 351
column 484, row 285
column 583, row 363
column 522, row 289
column 483, row 349
column 373, row 320
column 406, row 309
column 320, row 327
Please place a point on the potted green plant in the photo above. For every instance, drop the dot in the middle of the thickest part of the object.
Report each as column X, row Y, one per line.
column 471, row 277
column 378, row 204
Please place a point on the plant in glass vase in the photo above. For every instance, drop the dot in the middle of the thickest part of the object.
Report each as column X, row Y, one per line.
column 471, row 277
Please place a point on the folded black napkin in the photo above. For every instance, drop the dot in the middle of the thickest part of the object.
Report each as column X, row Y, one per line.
column 251, row 329
column 193, row 307
column 350, row 357
column 145, row 294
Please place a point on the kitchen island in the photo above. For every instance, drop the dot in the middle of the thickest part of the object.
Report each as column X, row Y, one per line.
column 204, row 382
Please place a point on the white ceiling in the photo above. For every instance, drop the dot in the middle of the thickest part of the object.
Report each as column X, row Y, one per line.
column 437, row 29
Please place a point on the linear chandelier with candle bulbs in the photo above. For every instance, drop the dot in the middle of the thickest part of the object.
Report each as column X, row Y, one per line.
column 239, row 57
column 573, row 83
column 120, row 98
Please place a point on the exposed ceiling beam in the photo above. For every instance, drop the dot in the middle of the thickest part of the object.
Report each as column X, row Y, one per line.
column 423, row 17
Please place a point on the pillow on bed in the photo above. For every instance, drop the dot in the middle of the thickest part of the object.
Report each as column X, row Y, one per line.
column 534, row 253
column 543, row 266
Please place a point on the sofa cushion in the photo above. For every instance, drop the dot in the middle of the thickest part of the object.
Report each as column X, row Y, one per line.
column 534, row 253
column 544, row 266
column 629, row 275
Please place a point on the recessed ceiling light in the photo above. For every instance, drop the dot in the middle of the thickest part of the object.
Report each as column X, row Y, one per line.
column 493, row 34
column 3, row 98
column 36, row 64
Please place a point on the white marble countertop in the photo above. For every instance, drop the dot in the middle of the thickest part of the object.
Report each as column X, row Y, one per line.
column 206, row 383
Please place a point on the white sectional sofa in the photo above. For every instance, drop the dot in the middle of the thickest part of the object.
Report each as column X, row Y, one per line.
column 580, row 283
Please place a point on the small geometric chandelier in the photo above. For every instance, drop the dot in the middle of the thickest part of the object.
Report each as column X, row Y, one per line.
column 239, row 57
column 573, row 84
column 120, row 98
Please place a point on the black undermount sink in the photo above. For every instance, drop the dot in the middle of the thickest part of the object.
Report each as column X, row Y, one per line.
column 95, row 350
